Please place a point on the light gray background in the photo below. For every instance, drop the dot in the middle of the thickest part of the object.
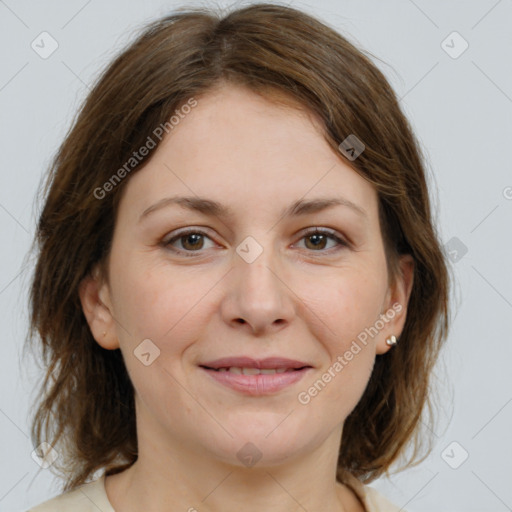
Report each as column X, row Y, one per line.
column 461, row 109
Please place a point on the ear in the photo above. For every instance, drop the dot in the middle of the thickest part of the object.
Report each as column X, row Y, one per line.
column 394, row 311
column 97, row 307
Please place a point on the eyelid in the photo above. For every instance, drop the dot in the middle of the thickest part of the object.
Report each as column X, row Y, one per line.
column 166, row 242
column 325, row 231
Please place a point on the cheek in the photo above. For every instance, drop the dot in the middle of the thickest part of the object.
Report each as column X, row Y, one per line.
column 162, row 304
column 348, row 310
column 165, row 307
column 347, row 303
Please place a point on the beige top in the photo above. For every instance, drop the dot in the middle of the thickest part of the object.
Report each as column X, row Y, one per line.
column 92, row 497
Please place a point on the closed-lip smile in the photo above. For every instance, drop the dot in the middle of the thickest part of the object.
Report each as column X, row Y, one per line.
column 256, row 376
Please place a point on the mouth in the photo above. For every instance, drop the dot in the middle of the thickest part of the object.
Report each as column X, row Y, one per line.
column 256, row 377
column 254, row 371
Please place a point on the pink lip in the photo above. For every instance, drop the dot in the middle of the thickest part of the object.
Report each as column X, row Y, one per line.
column 262, row 384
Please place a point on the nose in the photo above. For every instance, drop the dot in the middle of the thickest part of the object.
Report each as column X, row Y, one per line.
column 258, row 298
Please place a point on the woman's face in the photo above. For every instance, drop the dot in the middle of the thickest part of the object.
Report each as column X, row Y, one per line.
column 251, row 280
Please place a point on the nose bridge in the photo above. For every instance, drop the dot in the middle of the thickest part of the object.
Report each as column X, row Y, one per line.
column 253, row 267
column 258, row 295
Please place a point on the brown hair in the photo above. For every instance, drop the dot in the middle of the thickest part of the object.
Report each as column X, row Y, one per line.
column 86, row 410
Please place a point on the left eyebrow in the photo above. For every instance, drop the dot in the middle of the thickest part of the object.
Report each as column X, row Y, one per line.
column 216, row 209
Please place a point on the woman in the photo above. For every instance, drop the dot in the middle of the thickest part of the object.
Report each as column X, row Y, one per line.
column 239, row 292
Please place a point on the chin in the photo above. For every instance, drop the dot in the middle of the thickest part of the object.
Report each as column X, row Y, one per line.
column 263, row 440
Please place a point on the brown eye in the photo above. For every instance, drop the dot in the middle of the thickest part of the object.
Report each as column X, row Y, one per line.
column 190, row 241
column 317, row 240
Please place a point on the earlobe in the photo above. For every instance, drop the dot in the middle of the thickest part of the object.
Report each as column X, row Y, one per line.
column 98, row 312
column 396, row 305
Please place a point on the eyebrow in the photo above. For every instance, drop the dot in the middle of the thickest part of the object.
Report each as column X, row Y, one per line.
column 215, row 209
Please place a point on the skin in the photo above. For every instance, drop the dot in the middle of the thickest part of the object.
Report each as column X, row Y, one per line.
column 297, row 300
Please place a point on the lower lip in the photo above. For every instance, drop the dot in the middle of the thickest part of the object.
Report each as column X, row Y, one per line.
column 262, row 384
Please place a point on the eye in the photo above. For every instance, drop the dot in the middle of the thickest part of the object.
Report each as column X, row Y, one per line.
column 316, row 239
column 192, row 240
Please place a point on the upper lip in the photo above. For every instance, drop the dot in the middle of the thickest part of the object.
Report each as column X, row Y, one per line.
column 249, row 362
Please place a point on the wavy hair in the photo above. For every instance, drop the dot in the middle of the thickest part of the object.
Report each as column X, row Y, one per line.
column 86, row 408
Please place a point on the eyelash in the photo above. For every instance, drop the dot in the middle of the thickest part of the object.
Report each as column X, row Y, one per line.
column 315, row 231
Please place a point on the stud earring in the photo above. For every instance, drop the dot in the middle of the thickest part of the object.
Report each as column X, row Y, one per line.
column 391, row 341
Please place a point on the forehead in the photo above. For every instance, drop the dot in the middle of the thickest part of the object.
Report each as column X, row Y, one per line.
column 239, row 148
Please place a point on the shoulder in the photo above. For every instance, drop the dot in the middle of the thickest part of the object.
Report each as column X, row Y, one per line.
column 372, row 499
column 379, row 503
column 89, row 497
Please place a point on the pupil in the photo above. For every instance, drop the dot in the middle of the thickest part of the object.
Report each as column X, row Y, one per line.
column 191, row 237
column 319, row 239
